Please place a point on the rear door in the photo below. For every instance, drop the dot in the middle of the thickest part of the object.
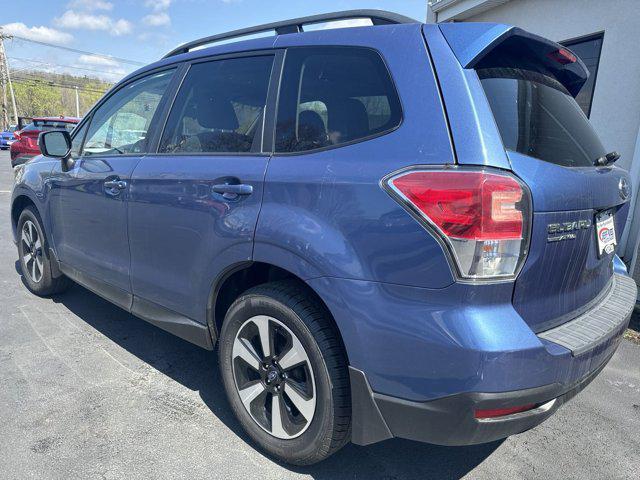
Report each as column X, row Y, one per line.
column 515, row 108
column 194, row 204
column 579, row 209
column 89, row 199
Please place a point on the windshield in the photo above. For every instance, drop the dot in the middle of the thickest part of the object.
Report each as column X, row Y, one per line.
column 537, row 117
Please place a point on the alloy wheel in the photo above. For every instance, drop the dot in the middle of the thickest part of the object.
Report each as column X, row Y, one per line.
column 273, row 377
column 31, row 251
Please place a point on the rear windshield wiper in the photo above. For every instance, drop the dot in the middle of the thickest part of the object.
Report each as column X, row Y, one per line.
column 607, row 159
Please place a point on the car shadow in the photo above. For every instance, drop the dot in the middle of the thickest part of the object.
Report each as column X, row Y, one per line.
column 197, row 370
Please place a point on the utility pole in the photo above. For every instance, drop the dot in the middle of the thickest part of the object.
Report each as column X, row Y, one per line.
column 4, row 120
column 5, row 76
column 77, row 102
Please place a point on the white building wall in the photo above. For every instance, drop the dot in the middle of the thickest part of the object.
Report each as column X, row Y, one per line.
column 615, row 111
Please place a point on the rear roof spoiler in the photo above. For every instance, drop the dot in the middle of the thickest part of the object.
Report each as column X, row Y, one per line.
column 472, row 44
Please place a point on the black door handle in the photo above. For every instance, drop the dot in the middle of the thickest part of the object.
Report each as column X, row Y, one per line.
column 231, row 191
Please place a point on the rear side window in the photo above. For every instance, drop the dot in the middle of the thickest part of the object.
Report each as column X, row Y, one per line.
column 332, row 96
column 537, row 117
column 220, row 107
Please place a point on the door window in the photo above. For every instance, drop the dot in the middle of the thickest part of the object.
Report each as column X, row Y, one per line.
column 78, row 137
column 332, row 96
column 220, row 107
column 121, row 124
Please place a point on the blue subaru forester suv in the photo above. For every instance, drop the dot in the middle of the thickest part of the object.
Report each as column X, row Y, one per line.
column 397, row 230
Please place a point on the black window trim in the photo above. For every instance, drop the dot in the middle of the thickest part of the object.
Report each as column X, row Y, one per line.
column 268, row 122
column 351, row 142
column 115, row 89
column 585, row 38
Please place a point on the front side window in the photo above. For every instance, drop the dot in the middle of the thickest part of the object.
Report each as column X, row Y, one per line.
column 121, row 124
column 78, row 137
column 220, row 107
column 332, row 96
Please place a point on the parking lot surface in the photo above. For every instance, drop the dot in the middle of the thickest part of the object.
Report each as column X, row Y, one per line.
column 89, row 391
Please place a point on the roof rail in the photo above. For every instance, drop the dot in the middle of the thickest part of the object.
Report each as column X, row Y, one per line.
column 378, row 17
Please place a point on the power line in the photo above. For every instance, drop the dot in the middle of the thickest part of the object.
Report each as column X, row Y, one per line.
column 60, row 83
column 60, row 65
column 75, row 50
column 31, row 83
column 35, row 82
column 30, row 75
column 55, row 77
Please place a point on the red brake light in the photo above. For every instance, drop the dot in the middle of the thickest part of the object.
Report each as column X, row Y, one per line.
column 562, row 56
column 17, row 134
column 502, row 412
column 483, row 217
column 466, row 205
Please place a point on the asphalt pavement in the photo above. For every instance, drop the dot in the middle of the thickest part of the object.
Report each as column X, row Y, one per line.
column 89, row 391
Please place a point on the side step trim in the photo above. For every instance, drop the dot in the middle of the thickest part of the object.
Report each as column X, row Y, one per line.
column 115, row 295
column 161, row 317
column 601, row 322
column 173, row 322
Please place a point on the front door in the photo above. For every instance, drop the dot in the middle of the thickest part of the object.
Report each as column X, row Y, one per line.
column 89, row 198
column 194, row 204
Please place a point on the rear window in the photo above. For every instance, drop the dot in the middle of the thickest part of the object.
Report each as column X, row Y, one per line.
column 537, row 117
column 332, row 96
column 46, row 125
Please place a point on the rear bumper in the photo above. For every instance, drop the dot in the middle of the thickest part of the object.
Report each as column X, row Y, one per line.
column 424, row 360
column 451, row 421
column 603, row 321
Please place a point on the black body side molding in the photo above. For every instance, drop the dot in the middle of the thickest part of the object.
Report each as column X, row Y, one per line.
column 161, row 317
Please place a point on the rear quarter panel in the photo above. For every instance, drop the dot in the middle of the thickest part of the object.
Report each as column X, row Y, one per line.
column 325, row 214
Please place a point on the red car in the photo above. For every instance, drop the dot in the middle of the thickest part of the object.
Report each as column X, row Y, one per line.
column 26, row 143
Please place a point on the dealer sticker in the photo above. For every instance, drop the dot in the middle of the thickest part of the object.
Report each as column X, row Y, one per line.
column 606, row 233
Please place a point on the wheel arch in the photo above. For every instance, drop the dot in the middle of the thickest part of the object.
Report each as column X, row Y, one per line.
column 242, row 276
column 19, row 203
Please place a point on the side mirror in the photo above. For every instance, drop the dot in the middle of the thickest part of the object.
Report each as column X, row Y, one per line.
column 55, row 144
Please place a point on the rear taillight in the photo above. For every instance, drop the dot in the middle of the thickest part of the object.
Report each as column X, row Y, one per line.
column 17, row 134
column 482, row 216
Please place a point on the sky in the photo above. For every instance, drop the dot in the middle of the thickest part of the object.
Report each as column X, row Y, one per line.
column 136, row 32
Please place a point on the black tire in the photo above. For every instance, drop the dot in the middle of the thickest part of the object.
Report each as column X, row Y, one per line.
column 294, row 306
column 43, row 283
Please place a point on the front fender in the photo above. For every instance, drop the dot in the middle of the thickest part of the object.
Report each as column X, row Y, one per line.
column 31, row 185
